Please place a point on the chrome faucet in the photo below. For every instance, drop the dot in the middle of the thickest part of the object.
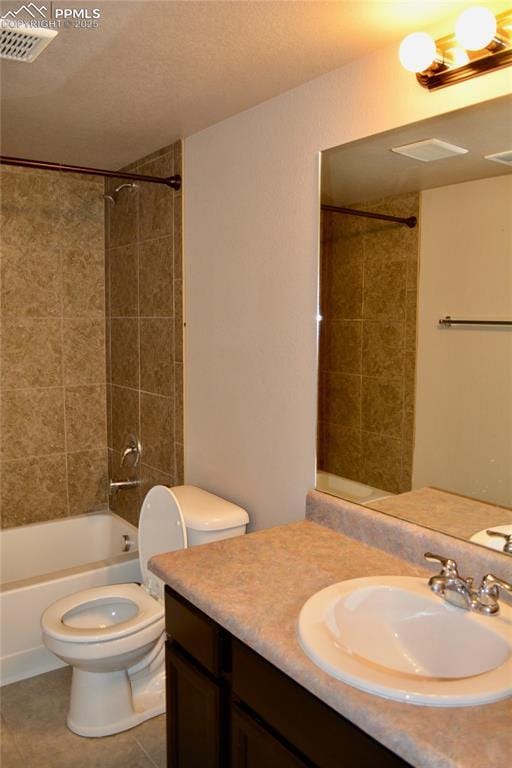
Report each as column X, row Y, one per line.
column 507, row 546
column 130, row 457
column 451, row 586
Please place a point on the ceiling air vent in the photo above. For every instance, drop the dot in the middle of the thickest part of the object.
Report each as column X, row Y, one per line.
column 501, row 157
column 430, row 149
column 24, row 44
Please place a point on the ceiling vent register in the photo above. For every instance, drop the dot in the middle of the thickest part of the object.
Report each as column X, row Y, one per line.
column 24, row 44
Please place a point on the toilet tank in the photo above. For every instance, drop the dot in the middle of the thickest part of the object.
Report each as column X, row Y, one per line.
column 208, row 517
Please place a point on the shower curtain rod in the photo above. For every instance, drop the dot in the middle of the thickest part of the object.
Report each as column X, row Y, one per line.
column 170, row 181
column 410, row 221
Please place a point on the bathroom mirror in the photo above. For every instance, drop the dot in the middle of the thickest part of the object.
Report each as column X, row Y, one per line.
column 414, row 409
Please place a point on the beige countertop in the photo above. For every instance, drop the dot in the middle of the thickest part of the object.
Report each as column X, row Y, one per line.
column 255, row 586
column 444, row 511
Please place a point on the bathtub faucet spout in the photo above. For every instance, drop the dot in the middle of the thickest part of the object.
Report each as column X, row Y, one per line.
column 121, row 485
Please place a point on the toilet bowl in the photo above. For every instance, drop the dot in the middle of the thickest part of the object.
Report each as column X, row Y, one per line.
column 114, row 636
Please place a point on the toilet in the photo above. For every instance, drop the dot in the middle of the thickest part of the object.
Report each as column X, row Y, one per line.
column 114, row 636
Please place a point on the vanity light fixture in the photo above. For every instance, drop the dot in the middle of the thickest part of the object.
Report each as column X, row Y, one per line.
column 481, row 42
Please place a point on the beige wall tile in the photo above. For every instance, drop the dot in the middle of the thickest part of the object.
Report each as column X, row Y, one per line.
column 157, row 431
column 384, row 290
column 383, row 349
column 342, row 451
column 31, row 283
column 84, row 351
column 382, row 406
column 87, row 480
column 83, row 276
column 342, row 345
column 343, row 399
column 124, row 351
column 179, row 472
column 381, row 462
column 178, row 320
column 125, row 415
column 33, row 490
column 123, row 216
column 156, row 356
column 53, row 239
column 128, row 501
column 156, row 200
column 32, row 422
column 178, row 402
column 86, row 418
column 156, row 278
column 342, row 291
column 151, row 476
column 31, row 354
column 178, row 236
column 124, row 281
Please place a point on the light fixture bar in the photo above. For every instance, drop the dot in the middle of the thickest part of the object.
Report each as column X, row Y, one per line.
column 461, row 63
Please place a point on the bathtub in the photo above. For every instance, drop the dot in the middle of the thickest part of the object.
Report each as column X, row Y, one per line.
column 348, row 489
column 42, row 562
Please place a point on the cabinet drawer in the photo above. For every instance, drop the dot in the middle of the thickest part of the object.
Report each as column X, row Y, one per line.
column 252, row 746
column 321, row 734
column 197, row 634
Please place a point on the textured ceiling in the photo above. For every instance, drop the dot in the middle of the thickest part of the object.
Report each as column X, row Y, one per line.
column 156, row 71
column 368, row 169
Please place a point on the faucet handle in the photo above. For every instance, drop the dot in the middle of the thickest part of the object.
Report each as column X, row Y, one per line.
column 492, row 582
column 488, row 593
column 507, row 547
column 449, row 568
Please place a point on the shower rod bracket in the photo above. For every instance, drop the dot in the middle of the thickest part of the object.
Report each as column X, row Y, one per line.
column 174, row 182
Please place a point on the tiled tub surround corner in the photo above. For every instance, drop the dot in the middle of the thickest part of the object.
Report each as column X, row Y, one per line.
column 405, row 539
column 145, row 329
column 367, row 345
column 256, row 585
column 53, row 432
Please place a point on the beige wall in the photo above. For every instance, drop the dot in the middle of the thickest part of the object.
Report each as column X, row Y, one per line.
column 368, row 345
column 144, row 328
column 53, row 435
column 464, row 401
column 251, row 255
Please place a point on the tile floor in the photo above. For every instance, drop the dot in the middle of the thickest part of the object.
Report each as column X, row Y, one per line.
column 34, row 733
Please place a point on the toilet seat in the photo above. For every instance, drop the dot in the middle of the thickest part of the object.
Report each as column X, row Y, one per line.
column 147, row 611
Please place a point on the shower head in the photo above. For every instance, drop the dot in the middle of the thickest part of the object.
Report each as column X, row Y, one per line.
column 112, row 197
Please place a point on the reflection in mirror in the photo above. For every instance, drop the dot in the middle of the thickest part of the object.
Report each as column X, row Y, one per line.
column 414, row 415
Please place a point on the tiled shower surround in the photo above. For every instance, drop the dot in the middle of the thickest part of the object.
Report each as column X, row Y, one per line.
column 53, row 431
column 368, row 345
column 144, row 330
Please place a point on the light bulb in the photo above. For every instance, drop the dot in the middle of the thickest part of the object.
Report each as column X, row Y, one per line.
column 475, row 28
column 417, row 52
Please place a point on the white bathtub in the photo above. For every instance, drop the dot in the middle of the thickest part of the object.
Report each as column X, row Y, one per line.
column 348, row 489
column 42, row 562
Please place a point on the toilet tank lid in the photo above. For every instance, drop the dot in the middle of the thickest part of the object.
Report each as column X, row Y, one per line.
column 203, row 511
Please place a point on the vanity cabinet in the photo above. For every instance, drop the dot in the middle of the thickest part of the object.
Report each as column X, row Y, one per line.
column 227, row 707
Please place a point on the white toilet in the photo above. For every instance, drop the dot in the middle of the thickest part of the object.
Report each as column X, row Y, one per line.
column 114, row 636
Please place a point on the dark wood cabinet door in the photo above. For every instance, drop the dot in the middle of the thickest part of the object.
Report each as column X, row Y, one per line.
column 195, row 722
column 252, row 746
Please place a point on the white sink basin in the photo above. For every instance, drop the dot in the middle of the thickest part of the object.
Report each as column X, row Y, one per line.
column 394, row 637
column 494, row 542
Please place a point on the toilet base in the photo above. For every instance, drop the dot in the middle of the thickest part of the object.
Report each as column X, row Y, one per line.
column 104, row 703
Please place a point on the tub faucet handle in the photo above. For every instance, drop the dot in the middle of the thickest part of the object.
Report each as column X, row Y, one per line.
column 131, row 452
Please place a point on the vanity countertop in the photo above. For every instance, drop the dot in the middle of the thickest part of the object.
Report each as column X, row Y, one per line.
column 444, row 511
column 255, row 586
